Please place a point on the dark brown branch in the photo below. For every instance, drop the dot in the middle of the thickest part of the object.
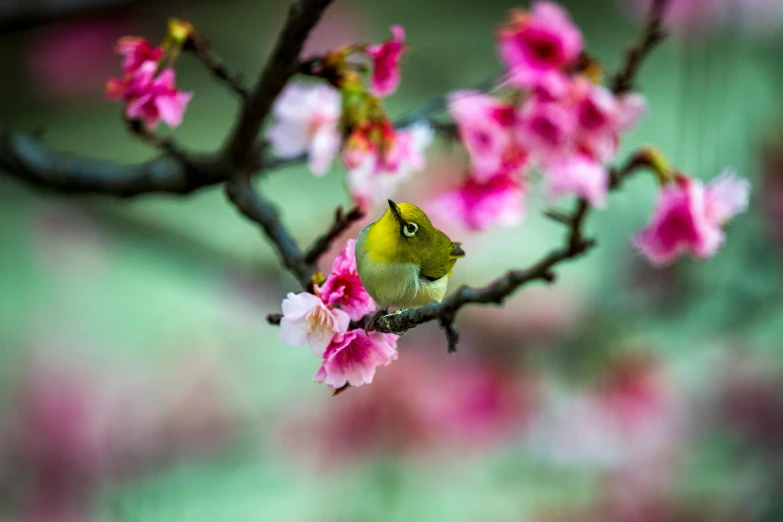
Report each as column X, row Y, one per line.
column 652, row 34
column 200, row 47
column 341, row 223
column 25, row 158
column 283, row 63
column 253, row 206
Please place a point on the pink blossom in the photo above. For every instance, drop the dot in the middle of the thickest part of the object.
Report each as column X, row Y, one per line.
column 353, row 358
column 688, row 218
column 306, row 122
column 580, row 175
column 601, row 117
column 374, row 178
column 386, row 63
column 727, row 195
column 150, row 98
column 135, row 52
column 546, row 129
column 486, row 127
column 536, row 43
column 343, row 288
column 307, row 318
column 479, row 205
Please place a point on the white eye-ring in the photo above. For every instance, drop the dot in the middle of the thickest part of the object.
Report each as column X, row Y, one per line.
column 410, row 229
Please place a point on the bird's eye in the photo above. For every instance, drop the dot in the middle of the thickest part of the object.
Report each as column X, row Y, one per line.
column 410, row 229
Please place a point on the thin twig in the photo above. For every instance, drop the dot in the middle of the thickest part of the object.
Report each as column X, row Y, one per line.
column 652, row 34
column 341, row 223
column 202, row 50
column 253, row 206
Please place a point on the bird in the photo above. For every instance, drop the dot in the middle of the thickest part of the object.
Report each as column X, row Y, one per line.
column 403, row 261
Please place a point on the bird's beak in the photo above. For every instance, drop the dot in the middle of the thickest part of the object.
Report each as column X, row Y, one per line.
column 395, row 210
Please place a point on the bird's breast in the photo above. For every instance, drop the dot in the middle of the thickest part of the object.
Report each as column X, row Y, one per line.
column 395, row 284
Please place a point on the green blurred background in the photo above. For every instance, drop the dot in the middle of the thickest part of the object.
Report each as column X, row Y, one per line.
column 150, row 313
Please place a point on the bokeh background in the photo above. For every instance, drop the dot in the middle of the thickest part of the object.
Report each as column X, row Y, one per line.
column 139, row 380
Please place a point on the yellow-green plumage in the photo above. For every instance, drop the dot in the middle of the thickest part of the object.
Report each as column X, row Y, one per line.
column 403, row 260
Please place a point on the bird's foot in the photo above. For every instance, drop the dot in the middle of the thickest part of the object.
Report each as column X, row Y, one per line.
column 370, row 326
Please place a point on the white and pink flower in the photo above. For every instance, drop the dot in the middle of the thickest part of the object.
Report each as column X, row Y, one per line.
column 373, row 178
column 306, row 121
column 306, row 318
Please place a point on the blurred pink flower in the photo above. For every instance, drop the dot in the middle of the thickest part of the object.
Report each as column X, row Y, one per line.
column 375, row 177
column 546, row 129
column 580, row 175
column 416, row 407
column 601, row 117
column 634, row 417
column 307, row 319
column 688, row 217
column 135, row 51
column 68, row 61
column 486, row 128
column 538, row 42
column 352, row 358
column 477, row 206
column 386, row 63
column 306, row 118
column 150, row 98
column 343, row 288
column 72, row 428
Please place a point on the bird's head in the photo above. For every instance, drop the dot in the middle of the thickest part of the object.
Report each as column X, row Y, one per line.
column 403, row 235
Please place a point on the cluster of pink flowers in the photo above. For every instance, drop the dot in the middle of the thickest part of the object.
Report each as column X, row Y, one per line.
column 149, row 92
column 322, row 120
column 689, row 216
column 348, row 356
column 557, row 122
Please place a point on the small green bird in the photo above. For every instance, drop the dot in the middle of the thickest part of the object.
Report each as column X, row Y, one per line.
column 403, row 261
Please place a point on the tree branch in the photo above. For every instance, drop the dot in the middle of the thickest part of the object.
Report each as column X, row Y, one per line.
column 253, row 206
column 25, row 158
column 322, row 243
column 652, row 34
column 201, row 49
column 282, row 64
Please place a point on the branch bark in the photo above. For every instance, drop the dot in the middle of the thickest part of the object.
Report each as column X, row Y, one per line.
column 282, row 64
column 25, row 158
column 252, row 205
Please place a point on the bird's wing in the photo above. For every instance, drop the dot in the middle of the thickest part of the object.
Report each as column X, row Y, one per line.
column 440, row 260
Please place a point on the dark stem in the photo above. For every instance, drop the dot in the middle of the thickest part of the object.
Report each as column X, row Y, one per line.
column 282, row 64
column 254, row 207
column 323, row 242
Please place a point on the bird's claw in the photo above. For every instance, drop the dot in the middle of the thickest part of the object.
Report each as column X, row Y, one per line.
column 370, row 326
